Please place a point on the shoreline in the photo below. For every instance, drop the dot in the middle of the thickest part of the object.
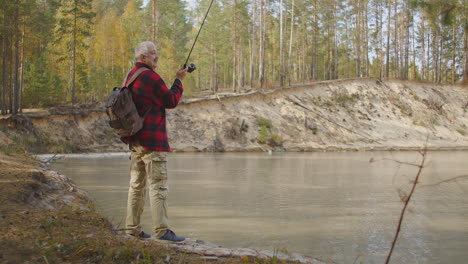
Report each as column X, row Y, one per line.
column 49, row 157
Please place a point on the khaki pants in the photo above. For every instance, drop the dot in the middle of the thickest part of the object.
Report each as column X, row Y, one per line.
column 147, row 166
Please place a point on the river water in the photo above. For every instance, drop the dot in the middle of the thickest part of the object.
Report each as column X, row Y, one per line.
column 333, row 206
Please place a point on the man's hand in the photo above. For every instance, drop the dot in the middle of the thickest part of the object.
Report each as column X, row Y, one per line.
column 181, row 73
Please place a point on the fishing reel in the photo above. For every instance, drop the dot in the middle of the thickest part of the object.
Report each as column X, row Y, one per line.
column 191, row 67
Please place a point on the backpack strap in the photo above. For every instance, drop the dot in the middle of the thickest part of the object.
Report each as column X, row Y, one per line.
column 135, row 75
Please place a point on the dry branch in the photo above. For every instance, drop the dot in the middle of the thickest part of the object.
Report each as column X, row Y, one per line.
column 407, row 200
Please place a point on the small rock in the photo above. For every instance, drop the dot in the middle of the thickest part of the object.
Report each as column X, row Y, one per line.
column 311, row 125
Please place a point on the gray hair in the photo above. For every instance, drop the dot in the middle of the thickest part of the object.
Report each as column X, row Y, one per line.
column 143, row 49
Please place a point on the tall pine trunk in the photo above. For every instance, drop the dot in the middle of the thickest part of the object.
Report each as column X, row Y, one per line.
column 379, row 21
column 290, row 43
column 73, row 68
column 4, row 67
column 235, row 76
column 396, row 42
column 261, row 70
column 465, row 68
column 366, row 38
column 21, row 81
column 358, row 39
column 252, row 44
column 16, row 62
column 407, row 42
column 335, row 44
column 281, row 66
column 154, row 23
column 314, row 65
column 423, row 46
column 454, row 39
column 387, row 61
column 465, row 47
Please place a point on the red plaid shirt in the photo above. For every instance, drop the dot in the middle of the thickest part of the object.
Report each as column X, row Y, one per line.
column 149, row 90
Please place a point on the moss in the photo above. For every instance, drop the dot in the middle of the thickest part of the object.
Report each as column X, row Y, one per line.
column 263, row 135
column 344, row 98
column 10, row 149
column 276, row 140
column 264, row 122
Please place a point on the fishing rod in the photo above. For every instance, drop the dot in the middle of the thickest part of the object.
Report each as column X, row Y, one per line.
column 192, row 67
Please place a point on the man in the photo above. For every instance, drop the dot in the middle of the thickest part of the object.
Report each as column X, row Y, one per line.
column 150, row 144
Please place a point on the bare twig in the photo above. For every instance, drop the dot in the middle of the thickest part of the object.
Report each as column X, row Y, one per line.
column 397, row 161
column 357, row 257
column 47, row 161
column 123, row 229
column 445, row 181
column 407, row 200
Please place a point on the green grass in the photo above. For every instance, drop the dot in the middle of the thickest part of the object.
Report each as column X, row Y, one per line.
column 264, row 122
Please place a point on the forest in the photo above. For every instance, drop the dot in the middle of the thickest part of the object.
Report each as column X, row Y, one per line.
column 56, row 52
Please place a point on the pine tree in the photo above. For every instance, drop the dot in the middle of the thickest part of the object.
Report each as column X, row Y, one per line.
column 75, row 19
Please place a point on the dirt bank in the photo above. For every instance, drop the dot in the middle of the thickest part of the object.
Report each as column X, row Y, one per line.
column 361, row 114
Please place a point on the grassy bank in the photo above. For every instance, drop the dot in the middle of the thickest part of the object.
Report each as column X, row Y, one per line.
column 69, row 230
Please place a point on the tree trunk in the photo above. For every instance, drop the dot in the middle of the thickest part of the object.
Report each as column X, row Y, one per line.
column 21, row 81
column 358, row 39
column 252, row 44
column 465, row 68
column 435, row 48
column 415, row 73
column 429, row 55
column 240, row 71
column 290, row 42
column 234, row 50
column 442, row 72
column 381, row 36
column 314, row 65
column 261, row 70
column 16, row 63
column 407, row 42
column 306, row 42
column 387, row 69
column 454, row 39
column 281, row 66
column 366, row 37
column 423, row 44
column 73, row 69
column 396, row 42
column 4, row 67
column 335, row 44
column 154, row 22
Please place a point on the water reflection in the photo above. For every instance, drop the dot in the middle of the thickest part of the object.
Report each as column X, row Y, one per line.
column 334, row 206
